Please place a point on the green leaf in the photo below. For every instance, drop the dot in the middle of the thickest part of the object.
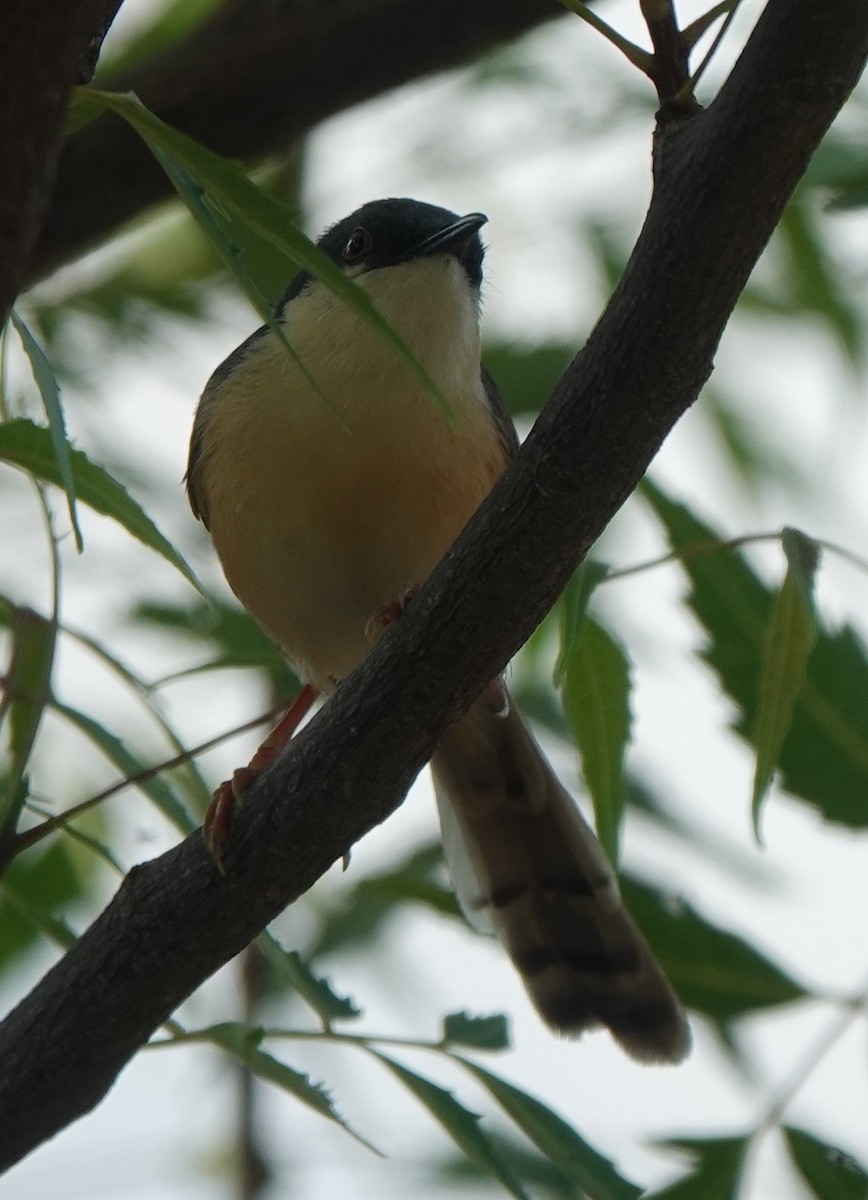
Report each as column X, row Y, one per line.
column 212, row 186
column 25, row 693
column 824, row 758
column 166, row 26
column 829, row 1173
column 363, row 912
column 227, row 629
column 556, row 1139
column 596, row 694
column 714, row 971
column 158, row 791
column 37, row 885
column 526, row 375
column 243, row 1044
column 573, row 606
column 30, row 447
column 313, row 989
column 186, row 776
column 791, row 636
column 839, row 169
column 460, row 1123
column 815, row 280
column 482, row 1033
column 49, row 389
column 718, row 1165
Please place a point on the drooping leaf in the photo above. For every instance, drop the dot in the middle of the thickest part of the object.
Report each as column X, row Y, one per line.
column 596, row 695
column 24, row 695
column 459, row 1122
column 130, row 766
column 457, row 1173
column 573, row 607
column 243, row 1043
column 49, row 390
column 791, row 635
column 716, row 1172
column 362, row 913
column 482, row 1033
column 313, row 989
column 211, row 186
column 824, row 758
column 226, row 630
column 187, row 777
column 830, row 1173
column 30, row 447
column 714, row 971
column 595, row 1174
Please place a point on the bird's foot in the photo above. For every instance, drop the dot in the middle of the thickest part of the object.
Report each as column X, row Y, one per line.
column 496, row 697
column 218, row 815
column 390, row 613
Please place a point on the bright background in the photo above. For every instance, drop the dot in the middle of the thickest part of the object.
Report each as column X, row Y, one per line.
column 551, row 138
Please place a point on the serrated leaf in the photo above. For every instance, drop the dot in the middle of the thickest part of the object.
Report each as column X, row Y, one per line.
column 716, row 1174
column 596, row 695
column 829, row 1173
column 315, row 990
column 211, row 185
column 26, row 692
column 482, row 1033
column 243, row 1044
column 714, row 971
column 29, row 446
column 824, row 758
column 573, row 607
column 556, row 1139
column 49, row 390
column 791, row 635
column 460, row 1123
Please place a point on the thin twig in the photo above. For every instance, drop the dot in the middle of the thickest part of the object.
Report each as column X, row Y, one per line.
column 30, row 837
column 635, row 54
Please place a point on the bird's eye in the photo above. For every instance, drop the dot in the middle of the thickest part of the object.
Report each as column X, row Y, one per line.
column 358, row 244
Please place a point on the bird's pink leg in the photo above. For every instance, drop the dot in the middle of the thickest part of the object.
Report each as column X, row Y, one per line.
column 218, row 815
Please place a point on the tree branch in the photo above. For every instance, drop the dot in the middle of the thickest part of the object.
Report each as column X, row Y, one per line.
column 45, row 48
column 253, row 80
column 722, row 183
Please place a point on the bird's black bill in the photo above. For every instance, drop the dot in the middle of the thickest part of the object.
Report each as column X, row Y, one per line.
column 451, row 237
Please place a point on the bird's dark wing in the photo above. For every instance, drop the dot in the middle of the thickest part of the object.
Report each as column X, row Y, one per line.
column 500, row 415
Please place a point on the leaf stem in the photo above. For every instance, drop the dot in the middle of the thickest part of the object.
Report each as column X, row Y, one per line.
column 635, row 54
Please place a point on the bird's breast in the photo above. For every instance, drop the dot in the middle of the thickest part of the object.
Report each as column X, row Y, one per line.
column 325, row 506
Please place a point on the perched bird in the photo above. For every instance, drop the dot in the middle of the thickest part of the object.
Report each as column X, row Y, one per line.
column 331, row 488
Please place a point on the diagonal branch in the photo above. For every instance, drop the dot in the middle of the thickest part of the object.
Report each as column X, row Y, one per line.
column 722, row 183
column 253, row 80
column 45, row 49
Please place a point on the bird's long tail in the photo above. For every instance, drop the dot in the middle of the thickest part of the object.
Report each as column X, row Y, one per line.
column 526, row 866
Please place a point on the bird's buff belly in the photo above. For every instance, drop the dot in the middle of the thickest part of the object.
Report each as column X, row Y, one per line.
column 313, row 564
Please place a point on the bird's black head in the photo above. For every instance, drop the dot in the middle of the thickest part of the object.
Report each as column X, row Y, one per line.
column 384, row 233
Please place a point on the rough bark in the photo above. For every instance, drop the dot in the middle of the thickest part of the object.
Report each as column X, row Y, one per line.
column 46, row 46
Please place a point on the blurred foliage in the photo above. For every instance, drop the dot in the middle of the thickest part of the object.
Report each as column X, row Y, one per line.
column 796, row 683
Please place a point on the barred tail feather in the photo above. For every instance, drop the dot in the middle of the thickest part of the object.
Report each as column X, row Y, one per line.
column 526, row 866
